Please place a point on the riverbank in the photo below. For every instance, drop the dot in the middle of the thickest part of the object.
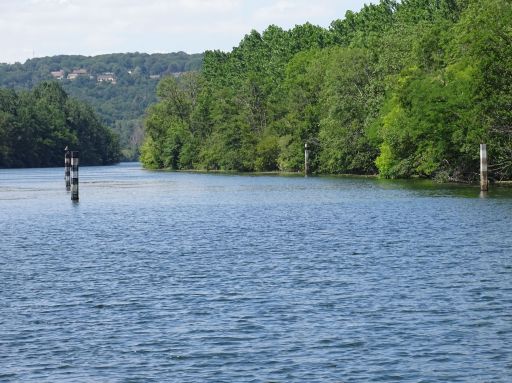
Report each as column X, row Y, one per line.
column 506, row 183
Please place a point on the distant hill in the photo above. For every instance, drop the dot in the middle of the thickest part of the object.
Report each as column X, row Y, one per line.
column 118, row 86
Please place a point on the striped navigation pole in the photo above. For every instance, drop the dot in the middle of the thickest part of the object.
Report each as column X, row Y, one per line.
column 484, row 182
column 306, row 159
column 74, row 176
column 67, row 168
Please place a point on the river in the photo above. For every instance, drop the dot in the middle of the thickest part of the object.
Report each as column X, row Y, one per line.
column 179, row 277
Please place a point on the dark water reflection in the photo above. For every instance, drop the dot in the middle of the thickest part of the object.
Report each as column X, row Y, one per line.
column 157, row 276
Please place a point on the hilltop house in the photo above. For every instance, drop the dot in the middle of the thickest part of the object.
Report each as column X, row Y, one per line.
column 77, row 73
column 107, row 77
column 58, row 75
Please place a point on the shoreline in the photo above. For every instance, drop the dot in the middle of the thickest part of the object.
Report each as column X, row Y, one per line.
column 506, row 183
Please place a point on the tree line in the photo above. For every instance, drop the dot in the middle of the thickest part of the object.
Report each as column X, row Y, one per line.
column 36, row 126
column 401, row 89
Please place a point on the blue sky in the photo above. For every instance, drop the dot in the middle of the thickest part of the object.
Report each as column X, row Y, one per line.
column 36, row 28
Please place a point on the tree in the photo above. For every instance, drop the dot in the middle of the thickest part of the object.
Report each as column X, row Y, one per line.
column 36, row 126
column 346, row 97
column 489, row 49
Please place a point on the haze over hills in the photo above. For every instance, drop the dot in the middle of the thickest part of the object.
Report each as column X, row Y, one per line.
column 118, row 86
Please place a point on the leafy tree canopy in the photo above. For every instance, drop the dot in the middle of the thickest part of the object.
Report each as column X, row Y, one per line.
column 36, row 126
column 401, row 89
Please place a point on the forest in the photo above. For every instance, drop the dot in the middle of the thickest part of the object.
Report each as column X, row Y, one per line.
column 121, row 100
column 399, row 89
column 36, row 126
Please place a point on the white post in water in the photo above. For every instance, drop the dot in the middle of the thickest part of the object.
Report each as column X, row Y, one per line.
column 74, row 176
column 484, row 183
column 67, row 169
column 306, row 158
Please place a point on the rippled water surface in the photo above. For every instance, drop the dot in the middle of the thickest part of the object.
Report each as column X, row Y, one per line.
column 157, row 276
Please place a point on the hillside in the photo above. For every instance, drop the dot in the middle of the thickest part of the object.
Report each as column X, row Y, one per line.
column 118, row 86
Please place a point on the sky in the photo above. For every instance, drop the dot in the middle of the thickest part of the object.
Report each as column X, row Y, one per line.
column 38, row 28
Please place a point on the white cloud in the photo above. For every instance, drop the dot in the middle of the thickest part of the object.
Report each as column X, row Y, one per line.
column 287, row 13
column 50, row 27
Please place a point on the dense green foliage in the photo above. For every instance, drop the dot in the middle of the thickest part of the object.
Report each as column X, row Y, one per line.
column 401, row 89
column 36, row 126
column 121, row 105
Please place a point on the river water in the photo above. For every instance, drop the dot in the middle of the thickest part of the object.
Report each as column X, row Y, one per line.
column 177, row 277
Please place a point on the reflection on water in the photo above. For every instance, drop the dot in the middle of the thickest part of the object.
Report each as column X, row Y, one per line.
column 162, row 276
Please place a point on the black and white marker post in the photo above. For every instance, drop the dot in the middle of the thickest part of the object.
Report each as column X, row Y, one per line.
column 67, row 169
column 306, row 159
column 484, row 182
column 74, row 176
